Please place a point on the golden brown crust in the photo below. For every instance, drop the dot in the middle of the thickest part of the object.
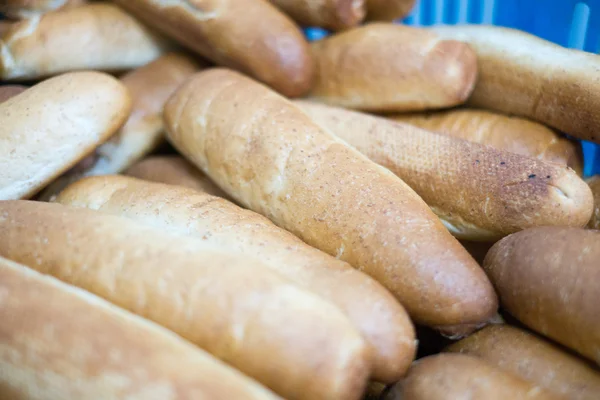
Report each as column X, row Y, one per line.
column 61, row 342
column 150, row 87
column 98, row 36
column 388, row 10
column 234, row 307
column 457, row 376
column 249, row 35
column 594, row 184
column 513, row 134
column 174, row 170
column 548, row 278
column 524, row 75
column 70, row 114
column 479, row 193
column 374, row 312
column 8, row 91
column 273, row 159
column 533, row 359
column 391, row 67
column 331, row 14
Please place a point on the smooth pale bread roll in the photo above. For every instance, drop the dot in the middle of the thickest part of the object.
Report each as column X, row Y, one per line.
column 61, row 342
column 385, row 67
column 269, row 156
column 50, row 127
column 521, row 74
column 234, row 307
column 98, row 36
column 374, row 312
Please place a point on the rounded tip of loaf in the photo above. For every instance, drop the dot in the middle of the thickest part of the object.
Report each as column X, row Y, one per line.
column 350, row 12
column 454, row 66
column 571, row 202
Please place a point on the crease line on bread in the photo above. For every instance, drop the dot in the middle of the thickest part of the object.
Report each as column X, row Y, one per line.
column 189, row 6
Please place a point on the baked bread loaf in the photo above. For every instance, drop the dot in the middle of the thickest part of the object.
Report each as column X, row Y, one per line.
column 150, row 87
column 234, row 307
column 97, row 36
column 248, row 35
column 331, row 14
column 479, row 193
column 533, row 359
column 391, row 67
column 174, row 170
column 374, row 312
column 388, row 10
column 513, row 134
column 272, row 158
column 524, row 75
column 457, row 376
column 70, row 114
column 60, row 342
column 549, row 279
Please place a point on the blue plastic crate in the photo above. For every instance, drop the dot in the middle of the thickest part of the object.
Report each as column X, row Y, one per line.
column 570, row 23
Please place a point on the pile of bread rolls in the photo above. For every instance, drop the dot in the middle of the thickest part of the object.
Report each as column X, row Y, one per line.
column 197, row 203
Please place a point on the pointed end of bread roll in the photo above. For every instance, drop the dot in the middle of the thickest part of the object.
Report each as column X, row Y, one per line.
column 454, row 66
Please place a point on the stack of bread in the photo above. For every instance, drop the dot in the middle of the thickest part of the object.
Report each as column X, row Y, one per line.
column 197, row 203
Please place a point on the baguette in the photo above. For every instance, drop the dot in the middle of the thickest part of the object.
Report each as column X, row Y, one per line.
column 96, row 36
column 389, row 67
column 150, row 87
column 174, row 170
column 235, row 308
column 24, row 9
column 70, row 114
column 479, row 193
column 273, row 159
column 8, row 91
column 513, row 134
column 388, row 10
column 249, row 35
column 382, row 322
column 549, row 279
column 331, row 14
column 524, row 75
column 457, row 376
column 594, row 184
column 533, row 359
column 60, row 342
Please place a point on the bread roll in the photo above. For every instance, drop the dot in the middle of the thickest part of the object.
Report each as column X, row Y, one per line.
column 457, row 376
column 96, row 36
column 513, row 134
column 23, row 9
column 390, row 67
column 272, row 158
column 382, row 322
column 549, row 279
column 533, row 359
column 60, row 342
column 478, row 192
column 594, row 184
column 331, row 14
column 524, row 75
column 234, row 307
column 388, row 10
column 51, row 126
column 8, row 91
column 174, row 170
column 150, row 87
column 249, row 35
